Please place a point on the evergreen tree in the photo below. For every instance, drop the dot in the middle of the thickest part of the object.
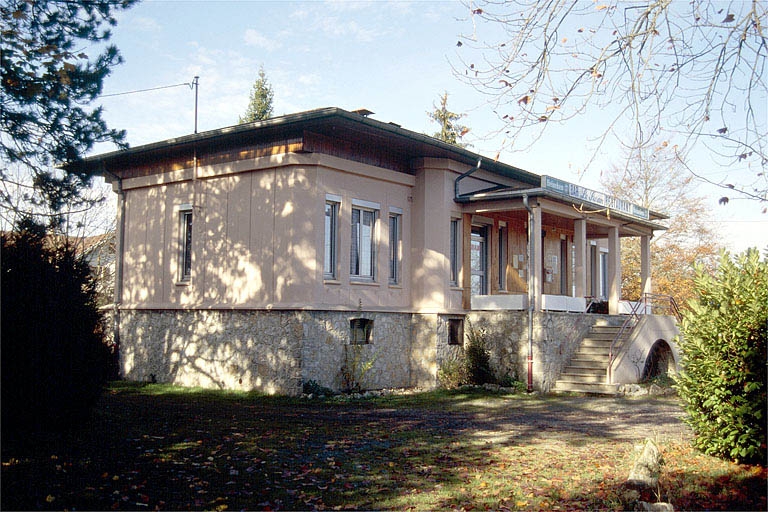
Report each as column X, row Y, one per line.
column 450, row 131
column 49, row 78
column 54, row 361
column 262, row 95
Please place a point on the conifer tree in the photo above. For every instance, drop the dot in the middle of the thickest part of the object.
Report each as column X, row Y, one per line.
column 260, row 105
column 49, row 77
column 450, row 131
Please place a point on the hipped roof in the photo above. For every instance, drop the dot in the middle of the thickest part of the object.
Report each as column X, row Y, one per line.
column 333, row 122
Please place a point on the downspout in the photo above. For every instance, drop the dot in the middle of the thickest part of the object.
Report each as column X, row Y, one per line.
column 531, row 296
column 457, row 180
column 120, row 239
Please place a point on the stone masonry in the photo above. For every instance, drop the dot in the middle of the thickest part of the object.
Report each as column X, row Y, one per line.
column 277, row 351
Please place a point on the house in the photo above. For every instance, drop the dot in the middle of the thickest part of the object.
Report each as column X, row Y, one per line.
column 327, row 246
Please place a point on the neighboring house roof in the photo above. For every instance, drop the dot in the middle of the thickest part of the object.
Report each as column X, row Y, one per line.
column 319, row 131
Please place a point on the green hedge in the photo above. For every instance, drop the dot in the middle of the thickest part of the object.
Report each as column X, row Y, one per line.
column 723, row 343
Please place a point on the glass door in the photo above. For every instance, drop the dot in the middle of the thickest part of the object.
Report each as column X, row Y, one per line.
column 479, row 260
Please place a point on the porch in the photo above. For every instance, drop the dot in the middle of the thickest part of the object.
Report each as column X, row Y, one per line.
column 556, row 247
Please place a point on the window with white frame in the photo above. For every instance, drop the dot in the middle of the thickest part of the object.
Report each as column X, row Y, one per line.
column 330, row 259
column 185, row 243
column 395, row 243
column 454, row 251
column 362, row 260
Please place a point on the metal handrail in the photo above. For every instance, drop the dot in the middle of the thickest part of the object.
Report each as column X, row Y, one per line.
column 653, row 299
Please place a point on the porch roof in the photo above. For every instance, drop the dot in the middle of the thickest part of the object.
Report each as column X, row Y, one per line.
column 584, row 208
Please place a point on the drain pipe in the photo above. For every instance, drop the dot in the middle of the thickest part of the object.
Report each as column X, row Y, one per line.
column 457, row 180
column 531, row 296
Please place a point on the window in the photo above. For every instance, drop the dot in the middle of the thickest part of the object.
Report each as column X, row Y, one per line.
column 395, row 237
column 362, row 261
column 456, row 331
column 454, row 251
column 185, row 252
column 604, row 274
column 331, row 237
column 479, row 260
column 502, row 258
column 360, row 330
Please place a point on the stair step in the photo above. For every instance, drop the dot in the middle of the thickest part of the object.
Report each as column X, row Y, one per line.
column 586, row 370
column 590, row 378
column 581, row 387
column 581, row 359
column 605, row 351
column 592, row 342
column 607, row 336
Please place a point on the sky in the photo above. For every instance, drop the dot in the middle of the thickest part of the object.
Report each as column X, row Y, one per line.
column 394, row 58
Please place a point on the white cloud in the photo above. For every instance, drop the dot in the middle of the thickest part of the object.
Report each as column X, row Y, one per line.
column 308, row 80
column 332, row 26
column 254, row 38
column 145, row 24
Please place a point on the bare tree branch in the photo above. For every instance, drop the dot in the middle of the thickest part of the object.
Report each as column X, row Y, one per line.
column 644, row 71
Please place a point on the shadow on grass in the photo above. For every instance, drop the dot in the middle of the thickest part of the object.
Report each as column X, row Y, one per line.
column 157, row 446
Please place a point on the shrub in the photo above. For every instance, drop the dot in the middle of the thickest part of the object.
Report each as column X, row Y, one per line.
column 723, row 343
column 453, row 373
column 53, row 360
column 312, row 387
column 478, row 358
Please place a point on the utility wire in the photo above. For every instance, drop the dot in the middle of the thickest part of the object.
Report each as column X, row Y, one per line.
column 145, row 90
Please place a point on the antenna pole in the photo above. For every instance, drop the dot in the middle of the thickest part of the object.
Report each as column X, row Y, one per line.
column 196, row 85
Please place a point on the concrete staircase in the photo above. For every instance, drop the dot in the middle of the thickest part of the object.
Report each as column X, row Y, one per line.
column 586, row 372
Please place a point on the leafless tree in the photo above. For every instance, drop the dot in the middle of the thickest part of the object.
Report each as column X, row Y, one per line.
column 689, row 72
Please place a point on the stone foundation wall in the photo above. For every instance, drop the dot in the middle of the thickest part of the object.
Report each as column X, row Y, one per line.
column 326, row 349
column 277, row 351
column 214, row 349
column 556, row 337
column 269, row 351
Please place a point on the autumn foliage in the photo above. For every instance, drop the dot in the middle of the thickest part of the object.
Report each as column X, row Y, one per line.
column 723, row 382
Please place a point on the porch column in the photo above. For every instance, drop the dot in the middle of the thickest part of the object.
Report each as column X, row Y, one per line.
column 580, row 263
column 466, row 261
column 614, row 270
column 645, row 264
column 493, row 247
column 536, row 267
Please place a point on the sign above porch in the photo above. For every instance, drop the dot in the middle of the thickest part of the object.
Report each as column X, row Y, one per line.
column 600, row 199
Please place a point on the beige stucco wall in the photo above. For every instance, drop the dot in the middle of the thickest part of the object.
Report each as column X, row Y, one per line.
column 258, row 236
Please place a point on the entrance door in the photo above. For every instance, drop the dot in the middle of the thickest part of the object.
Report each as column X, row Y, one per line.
column 479, row 260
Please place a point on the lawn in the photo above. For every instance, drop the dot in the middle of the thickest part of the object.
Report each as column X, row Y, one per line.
column 160, row 447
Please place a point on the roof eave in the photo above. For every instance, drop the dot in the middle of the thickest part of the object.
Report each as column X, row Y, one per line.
column 543, row 192
column 100, row 160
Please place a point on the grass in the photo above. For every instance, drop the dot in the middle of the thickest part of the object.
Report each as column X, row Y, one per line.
column 163, row 447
